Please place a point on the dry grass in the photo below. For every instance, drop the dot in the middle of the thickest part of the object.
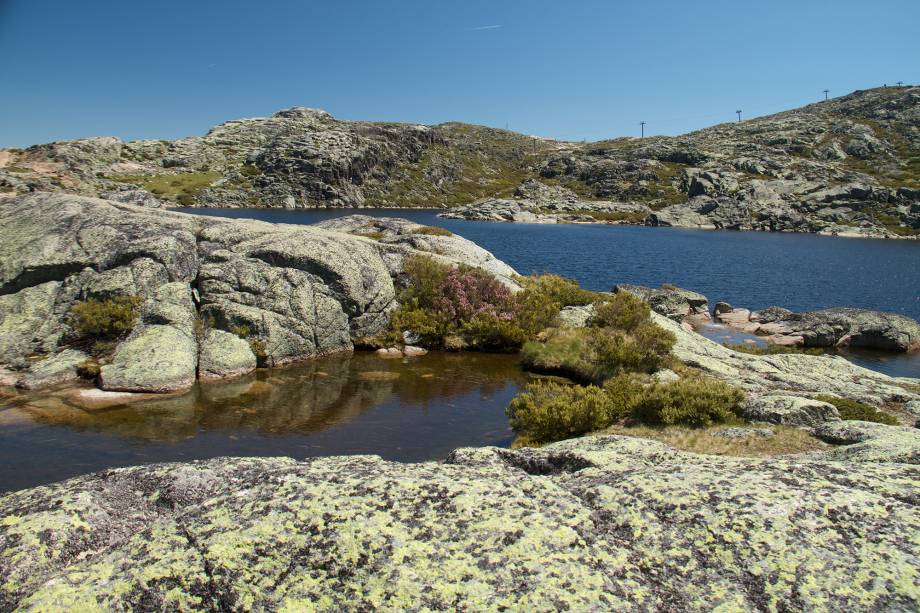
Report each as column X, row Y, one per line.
column 786, row 440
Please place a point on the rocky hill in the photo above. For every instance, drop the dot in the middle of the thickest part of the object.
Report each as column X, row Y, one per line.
column 850, row 165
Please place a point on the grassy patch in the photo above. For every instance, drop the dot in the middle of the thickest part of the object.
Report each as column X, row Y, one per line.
column 852, row 409
column 774, row 349
column 181, row 188
column 433, row 231
column 785, row 440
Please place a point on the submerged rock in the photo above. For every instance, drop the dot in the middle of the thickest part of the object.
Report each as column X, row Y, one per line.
column 600, row 523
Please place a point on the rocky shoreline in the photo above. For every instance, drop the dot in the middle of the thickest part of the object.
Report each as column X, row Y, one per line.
column 596, row 522
column 216, row 297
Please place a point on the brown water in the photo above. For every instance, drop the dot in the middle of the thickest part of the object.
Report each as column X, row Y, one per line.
column 404, row 409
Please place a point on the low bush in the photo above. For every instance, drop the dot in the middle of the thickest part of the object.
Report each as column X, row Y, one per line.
column 622, row 311
column 549, row 411
column 375, row 235
column 555, row 288
column 592, row 355
column 688, row 402
column 469, row 307
column 852, row 409
column 94, row 319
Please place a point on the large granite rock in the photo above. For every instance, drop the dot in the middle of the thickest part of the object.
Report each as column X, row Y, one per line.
column 599, row 523
column 672, row 302
column 224, row 355
column 789, row 410
column 294, row 292
column 842, row 326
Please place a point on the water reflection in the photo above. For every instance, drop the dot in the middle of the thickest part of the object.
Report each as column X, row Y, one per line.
column 413, row 409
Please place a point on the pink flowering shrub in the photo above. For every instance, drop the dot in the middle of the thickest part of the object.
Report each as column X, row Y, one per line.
column 464, row 294
column 441, row 302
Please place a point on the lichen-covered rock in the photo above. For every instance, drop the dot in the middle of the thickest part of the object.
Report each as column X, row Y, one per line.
column 800, row 375
column 601, row 523
column 54, row 369
column 864, row 441
column 396, row 238
column 294, row 292
column 157, row 359
column 789, row 410
column 844, row 326
column 224, row 355
column 672, row 302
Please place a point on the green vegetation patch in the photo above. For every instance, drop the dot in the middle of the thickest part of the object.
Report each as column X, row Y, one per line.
column 774, row 349
column 852, row 409
column 458, row 307
column 105, row 319
column 621, row 337
column 433, row 231
column 549, row 411
column 182, row 188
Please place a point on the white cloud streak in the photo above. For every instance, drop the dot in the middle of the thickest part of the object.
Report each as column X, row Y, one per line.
column 481, row 28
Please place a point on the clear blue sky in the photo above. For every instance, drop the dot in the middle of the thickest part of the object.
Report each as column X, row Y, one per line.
column 573, row 70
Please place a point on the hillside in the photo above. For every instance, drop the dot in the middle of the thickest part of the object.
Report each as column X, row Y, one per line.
column 848, row 165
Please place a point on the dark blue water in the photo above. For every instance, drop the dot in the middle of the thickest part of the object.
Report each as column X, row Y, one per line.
column 750, row 269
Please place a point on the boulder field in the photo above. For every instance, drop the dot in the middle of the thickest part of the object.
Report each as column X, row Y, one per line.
column 217, row 295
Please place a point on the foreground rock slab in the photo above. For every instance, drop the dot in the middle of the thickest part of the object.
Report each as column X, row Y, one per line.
column 601, row 523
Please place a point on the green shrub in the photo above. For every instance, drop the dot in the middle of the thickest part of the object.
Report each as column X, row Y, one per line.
column 669, row 286
column 549, row 411
column 592, row 355
column 689, row 402
column 433, row 231
column 852, row 409
column 622, row 311
column 565, row 292
column 249, row 170
column 486, row 331
column 105, row 319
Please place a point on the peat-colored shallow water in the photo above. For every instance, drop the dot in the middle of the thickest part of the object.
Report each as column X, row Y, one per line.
column 410, row 409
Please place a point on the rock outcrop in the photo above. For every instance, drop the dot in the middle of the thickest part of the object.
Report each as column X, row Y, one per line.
column 290, row 292
column 796, row 375
column 673, row 302
column 833, row 327
column 846, row 166
column 599, row 523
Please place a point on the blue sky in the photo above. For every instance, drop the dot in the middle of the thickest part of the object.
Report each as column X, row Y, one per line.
column 572, row 70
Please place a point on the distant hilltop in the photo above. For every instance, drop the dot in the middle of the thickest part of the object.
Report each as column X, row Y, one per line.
column 846, row 165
